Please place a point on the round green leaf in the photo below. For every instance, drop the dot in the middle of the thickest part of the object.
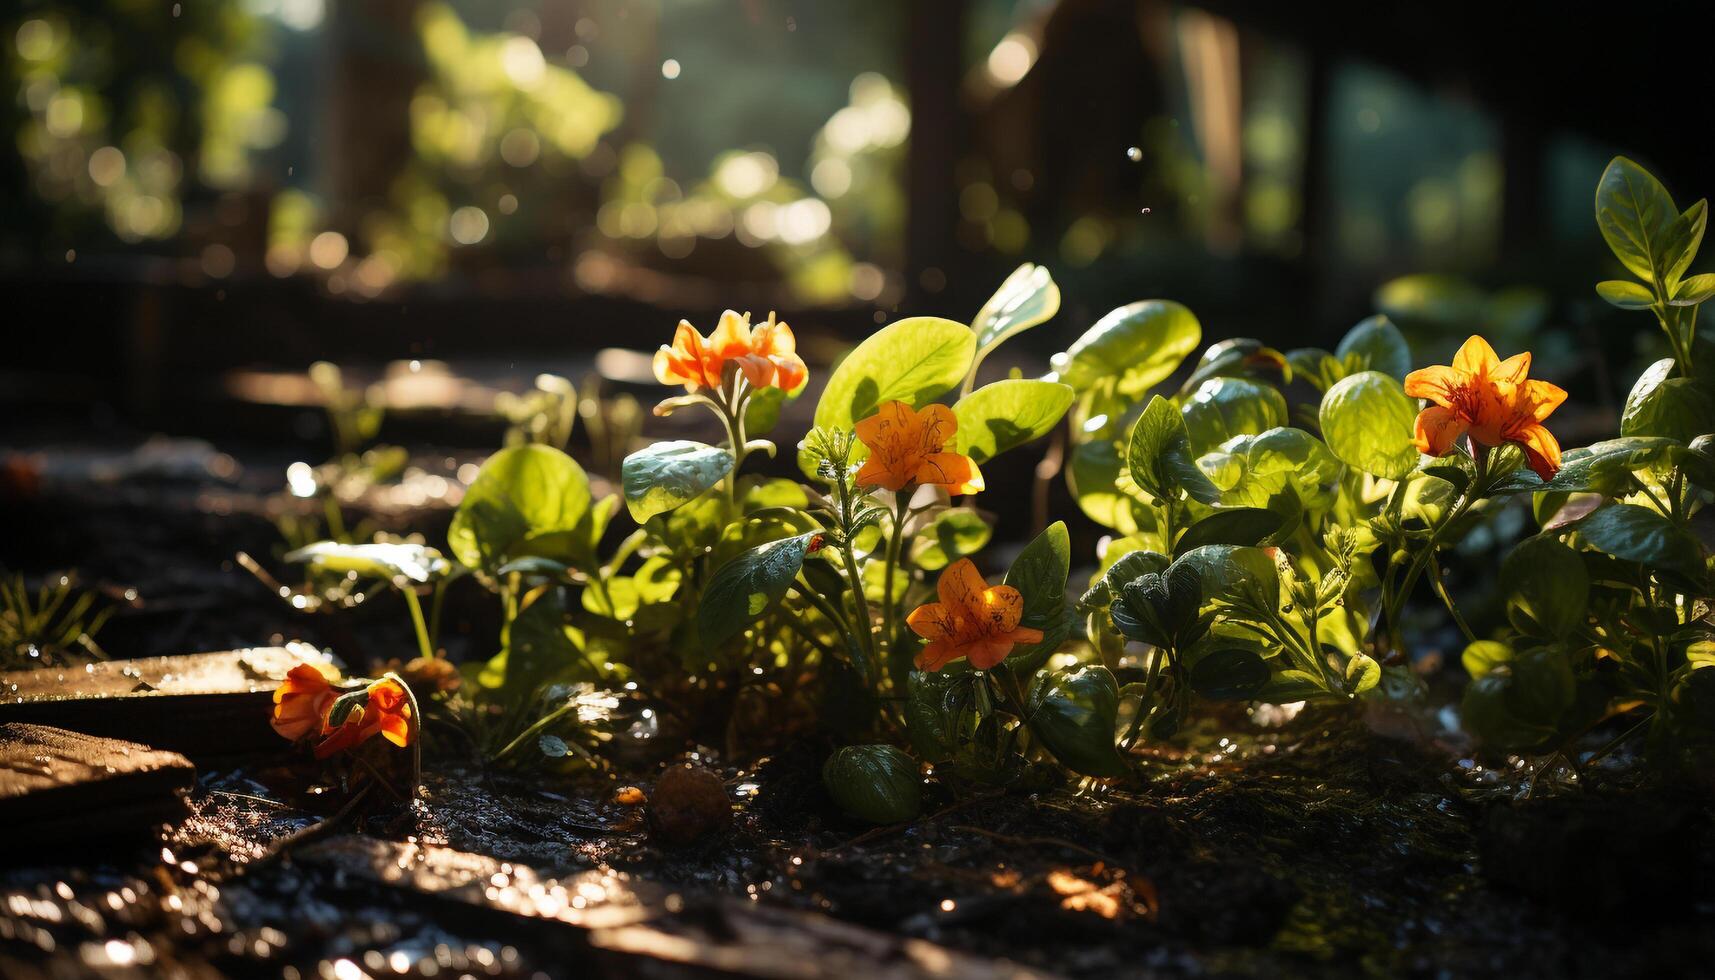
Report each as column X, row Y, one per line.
column 667, row 475
column 1074, row 714
column 877, row 783
column 1137, row 345
column 1222, row 408
column 1367, row 420
column 1362, row 673
column 1241, row 575
column 955, row 533
column 1483, row 656
column 520, row 494
column 1282, row 459
column 1094, row 468
column 1376, row 345
column 1027, row 297
column 914, row 361
column 1007, row 414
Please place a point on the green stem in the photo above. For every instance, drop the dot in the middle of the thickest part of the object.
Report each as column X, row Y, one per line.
column 889, row 611
column 411, row 602
column 865, row 630
column 1447, row 600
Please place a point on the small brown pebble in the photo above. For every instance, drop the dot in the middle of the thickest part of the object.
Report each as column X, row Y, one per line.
column 688, row 805
column 629, row 796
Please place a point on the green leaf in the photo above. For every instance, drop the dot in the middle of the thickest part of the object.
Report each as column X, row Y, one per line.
column 1697, row 289
column 1027, row 297
column 935, row 703
column 1635, row 214
column 1367, row 420
column 915, row 360
column 1232, row 674
column 748, row 586
column 1433, row 302
column 1007, row 414
column 1279, row 460
column 1241, row 575
column 1137, row 346
column 1073, row 712
column 520, row 494
column 1377, row 345
column 1548, row 588
column 1222, row 408
column 667, row 475
column 877, row 783
column 541, row 646
column 1234, row 525
column 1039, row 574
column 1159, row 455
column 1683, row 238
column 1639, row 534
column 1483, row 656
column 1094, row 468
column 1362, row 673
column 1543, row 686
column 955, row 533
column 1238, row 357
column 1485, row 714
column 1662, row 405
column 1604, row 467
column 413, row 562
column 1625, row 294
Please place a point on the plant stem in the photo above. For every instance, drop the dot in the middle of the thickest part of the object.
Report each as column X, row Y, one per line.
column 1447, row 600
column 889, row 612
column 411, row 602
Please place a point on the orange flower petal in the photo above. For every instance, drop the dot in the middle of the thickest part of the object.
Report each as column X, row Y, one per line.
column 731, row 336
column 1437, row 430
column 790, row 372
column 1025, row 636
column 875, row 473
column 1539, row 399
column 1513, row 370
column 1541, row 449
column 935, row 656
column 1476, row 357
column 961, row 589
column 1438, row 383
column 951, row 470
column 759, row 371
column 987, row 652
column 1003, row 606
column 937, row 424
column 932, row 621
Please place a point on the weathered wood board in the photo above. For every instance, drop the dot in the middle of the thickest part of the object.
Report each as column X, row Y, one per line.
column 58, row 786
column 625, row 927
column 205, row 705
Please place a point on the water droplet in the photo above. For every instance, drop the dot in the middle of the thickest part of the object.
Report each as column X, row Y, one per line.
column 1134, row 154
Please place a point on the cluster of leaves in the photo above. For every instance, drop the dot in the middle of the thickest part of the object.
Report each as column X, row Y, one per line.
column 1608, row 605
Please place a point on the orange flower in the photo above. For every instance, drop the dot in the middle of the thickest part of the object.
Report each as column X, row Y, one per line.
column 387, row 711
column 301, row 702
column 907, row 448
column 767, row 355
column 1490, row 400
column 972, row 620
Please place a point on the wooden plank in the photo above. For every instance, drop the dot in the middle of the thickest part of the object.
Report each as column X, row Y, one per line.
column 632, row 927
column 59, row 786
column 205, row 705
